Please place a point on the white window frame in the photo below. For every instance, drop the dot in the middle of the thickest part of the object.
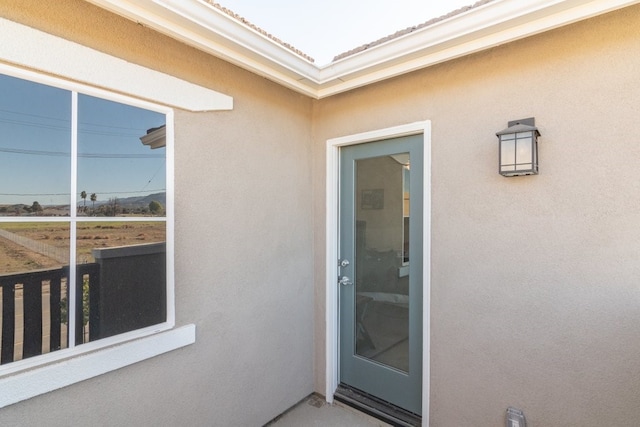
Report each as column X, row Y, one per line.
column 41, row 374
column 84, row 70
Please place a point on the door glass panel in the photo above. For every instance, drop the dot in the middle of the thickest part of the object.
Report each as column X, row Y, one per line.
column 382, row 259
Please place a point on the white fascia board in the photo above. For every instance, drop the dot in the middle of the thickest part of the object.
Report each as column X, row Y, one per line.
column 40, row 51
column 199, row 24
column 490, row 25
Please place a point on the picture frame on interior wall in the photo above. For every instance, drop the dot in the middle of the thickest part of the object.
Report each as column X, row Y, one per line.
column 372, row 199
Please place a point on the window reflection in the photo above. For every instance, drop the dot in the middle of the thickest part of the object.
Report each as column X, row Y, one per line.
column 34, row 288
column 382, row 259
column 122, row 266
column 406, row 187
column 35, row 141
column 119, row 265
column 121, row 160
column 92, row 236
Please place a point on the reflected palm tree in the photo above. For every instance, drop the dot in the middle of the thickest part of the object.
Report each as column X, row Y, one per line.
column 93, row 200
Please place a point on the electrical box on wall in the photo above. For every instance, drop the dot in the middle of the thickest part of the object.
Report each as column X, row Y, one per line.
column 515, row 418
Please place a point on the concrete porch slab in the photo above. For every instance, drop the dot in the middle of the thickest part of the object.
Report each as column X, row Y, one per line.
column 315, row 412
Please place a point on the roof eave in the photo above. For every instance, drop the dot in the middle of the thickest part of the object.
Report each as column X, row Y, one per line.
column 490, row 25
column 200, row 25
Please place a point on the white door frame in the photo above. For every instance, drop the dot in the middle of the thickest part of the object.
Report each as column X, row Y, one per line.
column 332, row 255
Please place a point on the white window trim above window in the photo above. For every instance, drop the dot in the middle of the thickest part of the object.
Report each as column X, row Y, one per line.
column 31, row 377
column 37, row 50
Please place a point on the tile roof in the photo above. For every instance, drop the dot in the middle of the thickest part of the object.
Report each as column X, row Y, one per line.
column 401, row 33
column 259, row 30
column 362, row 48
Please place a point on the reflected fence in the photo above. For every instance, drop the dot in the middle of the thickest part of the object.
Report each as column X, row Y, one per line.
column 59, row 254
column 124, row 290
column 34, row 310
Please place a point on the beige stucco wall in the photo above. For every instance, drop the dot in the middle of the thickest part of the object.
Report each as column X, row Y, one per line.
column 244, row 268
column 534, row 280
column 535, row 296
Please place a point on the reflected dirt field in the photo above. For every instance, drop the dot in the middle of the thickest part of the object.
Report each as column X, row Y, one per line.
column 17, row 258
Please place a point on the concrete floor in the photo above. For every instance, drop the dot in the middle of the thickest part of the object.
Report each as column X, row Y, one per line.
column 315, row 412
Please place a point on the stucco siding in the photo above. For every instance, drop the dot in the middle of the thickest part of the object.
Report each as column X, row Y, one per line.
column 534, row 289
column 534, row 280
column 243, row 248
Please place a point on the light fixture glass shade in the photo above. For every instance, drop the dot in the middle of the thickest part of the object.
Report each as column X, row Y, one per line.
column 518, row 148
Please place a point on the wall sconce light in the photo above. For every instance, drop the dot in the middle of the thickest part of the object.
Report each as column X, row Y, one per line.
column 518, row 148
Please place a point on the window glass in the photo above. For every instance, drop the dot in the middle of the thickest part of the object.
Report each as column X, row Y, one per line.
column 35, row 148
column 34, row 259
column 122, row 266
column 124, row 176
column 78, row 267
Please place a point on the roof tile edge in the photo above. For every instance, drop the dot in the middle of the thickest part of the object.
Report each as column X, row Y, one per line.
column 409, row 30
column 254, row 27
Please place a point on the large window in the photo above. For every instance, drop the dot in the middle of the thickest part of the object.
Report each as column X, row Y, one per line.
column 85, row 215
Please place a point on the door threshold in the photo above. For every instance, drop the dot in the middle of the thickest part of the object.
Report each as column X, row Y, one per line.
column 375, row 407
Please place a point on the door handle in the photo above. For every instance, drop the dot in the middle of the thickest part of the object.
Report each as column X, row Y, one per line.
column 344, row 280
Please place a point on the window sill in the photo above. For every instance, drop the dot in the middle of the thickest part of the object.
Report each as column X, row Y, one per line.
column 30, row 383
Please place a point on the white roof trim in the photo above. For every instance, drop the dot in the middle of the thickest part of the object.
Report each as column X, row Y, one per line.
column 40, row 51
column 205, row 27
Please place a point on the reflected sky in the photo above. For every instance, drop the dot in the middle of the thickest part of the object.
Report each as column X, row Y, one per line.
column 112, row 160
column 35, row 135
column 35, row 147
